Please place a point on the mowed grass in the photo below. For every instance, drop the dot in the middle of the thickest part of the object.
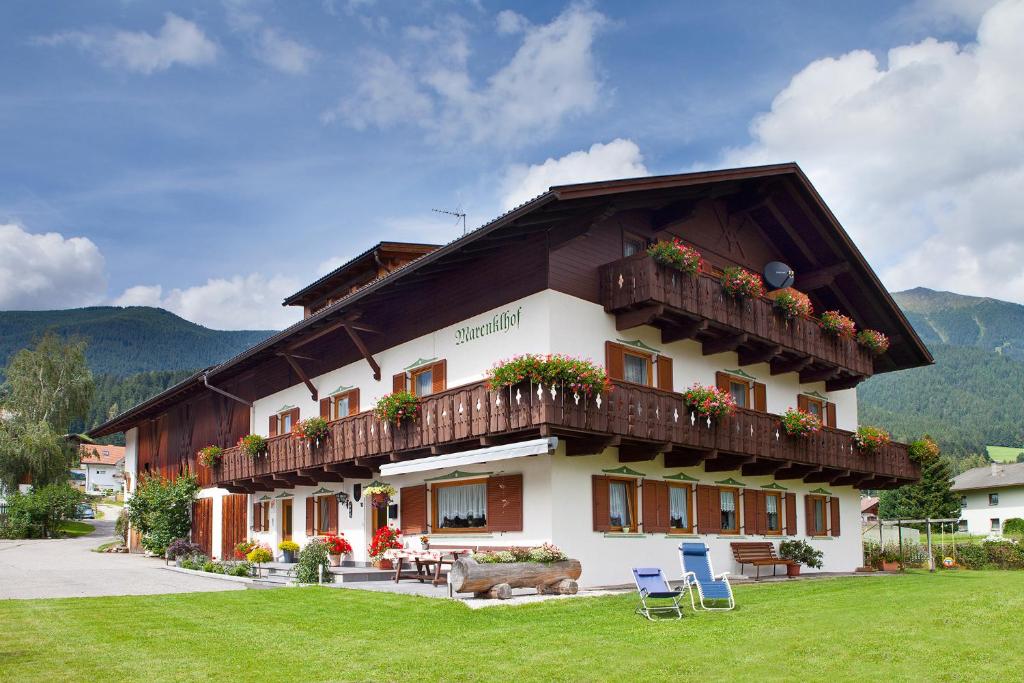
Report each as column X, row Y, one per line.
column 1003, row 453
column 949, row 626
column 70, row 527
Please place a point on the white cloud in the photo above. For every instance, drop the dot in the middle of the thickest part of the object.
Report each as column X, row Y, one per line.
column 179, row 42
column 242, row 302
column 509, row 22
column 616, row 159
column 921, row 158
column 552, row 77
column 284, row 54
column 40, row 271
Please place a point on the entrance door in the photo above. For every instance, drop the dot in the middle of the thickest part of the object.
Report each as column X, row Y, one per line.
column 378, row 518
column 286, row 519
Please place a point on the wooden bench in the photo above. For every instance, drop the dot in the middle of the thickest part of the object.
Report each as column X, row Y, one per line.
column 759, row 555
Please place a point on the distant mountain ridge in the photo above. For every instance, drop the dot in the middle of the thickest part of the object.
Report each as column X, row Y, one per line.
column 129, row 340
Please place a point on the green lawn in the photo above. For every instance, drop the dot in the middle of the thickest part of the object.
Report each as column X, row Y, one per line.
column 950, row 626
column 1003, row 453
column 72, row 528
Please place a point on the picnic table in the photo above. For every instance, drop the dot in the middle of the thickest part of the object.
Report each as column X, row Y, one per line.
column 420, row 564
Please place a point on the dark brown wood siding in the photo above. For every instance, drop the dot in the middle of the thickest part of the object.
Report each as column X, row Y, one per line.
column 202, row 524
column 233, row 523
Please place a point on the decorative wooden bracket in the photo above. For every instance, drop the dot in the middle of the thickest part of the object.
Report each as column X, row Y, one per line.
column 302, row 375
column 728, row 343
column 780, row 367
column 357, row 340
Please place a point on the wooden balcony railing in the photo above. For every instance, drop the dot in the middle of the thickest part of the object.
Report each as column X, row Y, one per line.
column 641, row 291
column 637, row 419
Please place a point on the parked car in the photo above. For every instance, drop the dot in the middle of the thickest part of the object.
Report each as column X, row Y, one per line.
column 85, row 511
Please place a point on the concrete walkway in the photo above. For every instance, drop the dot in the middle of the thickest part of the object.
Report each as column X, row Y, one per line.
column 68, row 568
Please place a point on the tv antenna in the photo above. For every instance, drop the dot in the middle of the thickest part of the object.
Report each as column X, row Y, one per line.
column 458, row 215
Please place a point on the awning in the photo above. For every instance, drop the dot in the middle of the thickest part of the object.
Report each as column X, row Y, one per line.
column 480, row 455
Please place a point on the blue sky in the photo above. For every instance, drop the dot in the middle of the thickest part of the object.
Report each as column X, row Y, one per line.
column 212, row 157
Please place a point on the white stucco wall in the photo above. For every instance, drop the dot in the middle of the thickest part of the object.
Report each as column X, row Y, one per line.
column 131, row 459
column 99, row 478
column 979, row 514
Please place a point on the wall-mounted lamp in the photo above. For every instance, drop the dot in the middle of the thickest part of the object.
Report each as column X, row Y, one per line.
column 345, row 501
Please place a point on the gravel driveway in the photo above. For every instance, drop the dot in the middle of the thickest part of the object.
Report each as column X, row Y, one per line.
column 68, row 568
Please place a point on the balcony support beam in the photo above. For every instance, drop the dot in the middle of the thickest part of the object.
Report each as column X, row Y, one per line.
column 819, row 375
column 759, row 356
column 687, row 457
column 638, row 316
column 821, row 475
column 349, row 470
column 274, row 482
column 840, row 383
column 321, row 474
column 795, row 471
column 780, row 367
column 302, row 375
column 296, row 478
column 822, row 277
column 761, row 466
column 727, row 462
column 683, row 330
column 727, row 343
column 642, row 452
column 849, row 478
column 590, row 446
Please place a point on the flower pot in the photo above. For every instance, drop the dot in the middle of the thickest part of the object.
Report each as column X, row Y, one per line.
column 380, row 500
column 289, row 556
column 793, row 570
column 335, row 560
column 383, row 564
column 890, row 566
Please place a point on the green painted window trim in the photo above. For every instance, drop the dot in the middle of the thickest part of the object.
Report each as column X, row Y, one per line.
column 264, row 499
column 680, row 476
column 285, row 494
column 341, row 390
column 435, row 535
column 283, row 409
column 821, row 491
column 682, row 535
column 624, row 470
column 637, row 344
column 730, row 482
column 322, row 492
column 419, row 362
column 459, row 474
column 619, row 534
column 739, row 373
column 732, row 536
column 774, row 486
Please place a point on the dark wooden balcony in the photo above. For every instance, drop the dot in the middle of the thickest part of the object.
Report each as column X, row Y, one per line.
column 641, row 421
column 640, row 291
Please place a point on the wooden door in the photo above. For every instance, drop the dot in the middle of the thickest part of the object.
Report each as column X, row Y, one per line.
column 286, row 519
column 378, row 518
column 202, row 524
column 234, row 523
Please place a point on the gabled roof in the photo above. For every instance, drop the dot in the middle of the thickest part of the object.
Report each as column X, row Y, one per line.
column 868, row 503
column 994, row 476
column 100, row 454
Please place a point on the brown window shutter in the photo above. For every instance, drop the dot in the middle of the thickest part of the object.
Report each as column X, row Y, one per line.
column 709, row 510
column 655, row 507
column 272, row 429
column 809, row 511
column 614, row 360
column 801, row 402
column 761, row 520
column 325, row 408
column 295, row 417
column 722, row 381
column 310, row 512
column 834, row 516
column 664, row 373
column 332, row 513
column 505, row 503
column 353, row 403
column 830, row 414
column 760, row 397
column 749, row 511
column 790, row 514
column 266, row 516
column 439, row 376
column 257, row 522
column 398, row 383
column 413, row 508
column 601, row 504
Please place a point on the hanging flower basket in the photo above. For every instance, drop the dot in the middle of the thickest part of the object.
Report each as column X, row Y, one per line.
column 874, row 341
column 398, row 408
column 380, row 495
column 313, row 431
column 575, row 374
column 800, row 423
column 210, row 456
column 837, row 325
column 740, row 282
column 792, row 304
column 676, row 255
column 869, row 440
column 253, row 445
column 709, row 400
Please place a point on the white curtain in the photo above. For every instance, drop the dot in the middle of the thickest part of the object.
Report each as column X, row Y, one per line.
column 618, row 498
column 462, row 506
column 677, row 508
column 772, row 508
column 728, row 499
column 635, row 369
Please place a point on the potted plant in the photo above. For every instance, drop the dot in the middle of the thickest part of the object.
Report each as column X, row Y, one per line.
column 799, row 423
column 799, row 552
column 869, row 440
column 253, row 445
column 425, row 542
column 874, row 341
column 210, row 456
column 398, row 408
column 676, row 255
column 337, row 545
column 385, row 539
column 242, row 549
column 288, row 548
column 495, row 573
column 179, row 549
column 575, row 374
column 380, row 495
column 889, row 557
column 740, row 282
column 312, row 431
column 259, row 555
column 792, row 304
column 837, row 325
column 709, row 400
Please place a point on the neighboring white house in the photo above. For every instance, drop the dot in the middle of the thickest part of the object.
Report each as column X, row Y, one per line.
column 989, row 496
column 103, row 467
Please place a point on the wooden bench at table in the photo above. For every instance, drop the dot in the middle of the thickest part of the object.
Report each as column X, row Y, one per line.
column 759, row 555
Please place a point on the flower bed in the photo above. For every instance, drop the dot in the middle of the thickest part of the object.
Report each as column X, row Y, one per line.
column 870, row 439
column 799, row 423
column 210, row 456
column 337, row 544
column 546, row 554
column 837, row 324
column 793, row 304
column 874, row 341
column 576, row 374
column 253, row 445
column 709, row 400
column 386, row 538
column 397, row 408
column 676, row 255
column 313, row 430
column 739, row 282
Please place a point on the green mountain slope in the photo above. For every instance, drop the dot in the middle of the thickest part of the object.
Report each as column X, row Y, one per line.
column 972, row 396
column 126, row 341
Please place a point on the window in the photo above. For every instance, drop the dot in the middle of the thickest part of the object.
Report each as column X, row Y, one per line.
column 963, row 525
column 261, row 516
column 679, row 505
column 323, row 514
column 993, row 499
column 621, row 504
column 995, row 525
column 630, row 364
column 772, row 512
column 728, row 507
column 344, row 404
column 459, row 506
column 746, row 392
column 963, row 502
column 423, row 382
column 817, row 510
column 740, row 390
column 631, row 244
column 637, row 368
column 816, row 407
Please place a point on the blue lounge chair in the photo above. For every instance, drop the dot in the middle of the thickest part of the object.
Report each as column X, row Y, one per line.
column 698, row 573
column 652, row 585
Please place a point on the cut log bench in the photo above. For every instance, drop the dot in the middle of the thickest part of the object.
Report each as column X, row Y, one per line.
column 496, row 580
column 758, row 555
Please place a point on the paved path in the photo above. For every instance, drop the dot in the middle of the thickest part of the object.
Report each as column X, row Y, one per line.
column 67, row 568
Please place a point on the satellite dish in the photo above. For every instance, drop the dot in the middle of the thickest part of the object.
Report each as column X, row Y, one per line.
column 778, row 275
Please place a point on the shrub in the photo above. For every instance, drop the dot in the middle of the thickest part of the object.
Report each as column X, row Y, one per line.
column 676, row 255
column 792, row 304
column 869, row 439
column 800, row 423
column 399, row 407
column 924, row 450
column 739, row 282
column 314, row 430
column 837, row 324
column 802, row 552
column 253, row 445
column 240, row 569
column 259, row 555
column 209, row 566
column 548, row 553
column 180, row 547
column 312, row 557
column 38, row 513
column 575, row 374
column 709, row 400
column 121, row 528
column 1014, row 526
column 195, row 561
column 210, row 456
column 1006, row 554
column 874, row 341
column 161, row 510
